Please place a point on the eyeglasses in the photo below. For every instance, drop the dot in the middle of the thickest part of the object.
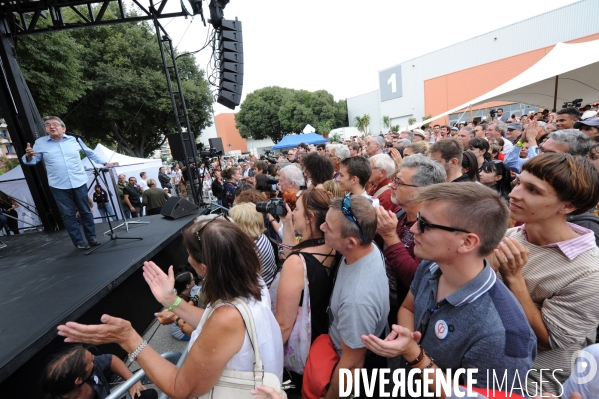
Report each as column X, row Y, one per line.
column 400, row 183
column 52, row 124
column 346, row 209
column 423, row 224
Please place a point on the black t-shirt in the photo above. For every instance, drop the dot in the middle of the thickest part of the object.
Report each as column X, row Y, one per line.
column 134, row 194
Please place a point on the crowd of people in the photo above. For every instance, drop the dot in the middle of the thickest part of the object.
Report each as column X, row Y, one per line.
column 470, row 246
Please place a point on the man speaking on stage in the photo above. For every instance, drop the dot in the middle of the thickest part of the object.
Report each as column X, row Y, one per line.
column 66, row 177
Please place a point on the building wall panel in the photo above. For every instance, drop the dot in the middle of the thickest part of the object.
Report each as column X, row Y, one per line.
column 576, row 22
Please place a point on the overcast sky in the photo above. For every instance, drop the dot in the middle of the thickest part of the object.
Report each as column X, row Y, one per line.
column 340, row 45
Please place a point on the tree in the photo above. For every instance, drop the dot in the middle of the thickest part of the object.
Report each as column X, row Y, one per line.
column 52, row 64
column 411, row 121
column 273, row 112
column 125, row 97
column 386, row 122
column 362, row 123
column 335, row 138
column 395, row 128
column 324, row 128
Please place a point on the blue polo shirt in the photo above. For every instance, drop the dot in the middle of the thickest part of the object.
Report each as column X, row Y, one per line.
column 481, row 326
column 62, row 161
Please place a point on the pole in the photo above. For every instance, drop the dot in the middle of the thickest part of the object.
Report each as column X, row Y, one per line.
column 555, row 94
column 163, row 37
column 471, row 118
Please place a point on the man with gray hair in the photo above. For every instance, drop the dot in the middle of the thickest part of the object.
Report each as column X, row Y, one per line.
column 383, row 170
column 407, row 135
column 375, row 145
column 570, row 141
column 67, row 179
column 415, row 172
column 498, row 129
column 291, row 177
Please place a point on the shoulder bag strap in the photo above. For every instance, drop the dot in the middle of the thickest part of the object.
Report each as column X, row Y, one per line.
column 381, row 190
column 248, row 319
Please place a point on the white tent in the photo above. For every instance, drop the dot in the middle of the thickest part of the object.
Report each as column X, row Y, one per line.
column 574, row 68
column 13, row 182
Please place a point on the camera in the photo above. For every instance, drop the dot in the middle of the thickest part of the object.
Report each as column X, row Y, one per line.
column 210, row 153
column 268, row 157
column 274, row 207
column 493, row 112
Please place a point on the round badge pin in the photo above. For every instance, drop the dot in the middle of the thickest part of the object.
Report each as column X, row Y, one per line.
column 441, row 329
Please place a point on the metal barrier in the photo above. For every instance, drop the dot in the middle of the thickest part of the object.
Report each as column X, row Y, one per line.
column 123, row 389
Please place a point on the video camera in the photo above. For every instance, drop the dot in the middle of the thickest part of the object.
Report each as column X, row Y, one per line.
column 274, row 207
column 573, row 104
column 267, row 157
column 211, row 153
column 493, row 112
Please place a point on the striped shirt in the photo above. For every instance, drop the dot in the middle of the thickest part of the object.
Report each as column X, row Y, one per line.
column 267, row 259
column 563, row 281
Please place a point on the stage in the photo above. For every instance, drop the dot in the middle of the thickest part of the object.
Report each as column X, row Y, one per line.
column 45, row 281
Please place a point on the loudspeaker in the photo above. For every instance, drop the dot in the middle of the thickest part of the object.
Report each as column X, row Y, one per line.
column 230, row 39
column 177, row 207
column 174, row 141
column 217, row 144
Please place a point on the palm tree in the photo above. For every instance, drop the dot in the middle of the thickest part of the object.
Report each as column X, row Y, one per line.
column 386, row 122
column 324, row 128
column 362, row 123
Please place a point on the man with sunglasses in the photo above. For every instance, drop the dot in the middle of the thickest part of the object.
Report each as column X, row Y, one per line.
column 415, row 172
column 359, row 303
column 457, row 313
column 66, row 177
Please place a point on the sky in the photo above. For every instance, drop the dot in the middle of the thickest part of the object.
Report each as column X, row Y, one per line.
column 341, row 45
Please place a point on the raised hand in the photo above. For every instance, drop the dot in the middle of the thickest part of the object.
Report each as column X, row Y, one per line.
column 30, row 152
column 161, row 284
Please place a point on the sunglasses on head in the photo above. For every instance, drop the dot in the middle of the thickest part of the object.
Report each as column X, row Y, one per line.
column 199, row 232
column 346, row 209
column 423, row 224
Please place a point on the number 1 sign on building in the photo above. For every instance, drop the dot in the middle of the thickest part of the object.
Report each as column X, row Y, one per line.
column 390, row 83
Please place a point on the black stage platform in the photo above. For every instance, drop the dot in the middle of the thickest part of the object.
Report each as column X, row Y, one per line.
column 45, row 281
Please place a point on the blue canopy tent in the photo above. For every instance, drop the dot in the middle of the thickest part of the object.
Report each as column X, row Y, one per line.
column 294, row 139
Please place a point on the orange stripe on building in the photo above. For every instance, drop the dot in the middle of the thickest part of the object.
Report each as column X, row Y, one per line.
column 448, row 91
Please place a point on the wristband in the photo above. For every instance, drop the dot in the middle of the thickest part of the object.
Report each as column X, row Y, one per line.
column 419, row 359
column 177, row 321
column 175, row 304
column 133, row 356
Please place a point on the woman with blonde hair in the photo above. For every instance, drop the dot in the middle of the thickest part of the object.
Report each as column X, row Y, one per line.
column 251, row 222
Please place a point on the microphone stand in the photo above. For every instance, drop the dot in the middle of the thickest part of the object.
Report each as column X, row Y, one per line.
column 113, row 236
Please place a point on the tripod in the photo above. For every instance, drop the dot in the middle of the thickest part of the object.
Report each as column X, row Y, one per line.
column 125, row 222
column 113, row 236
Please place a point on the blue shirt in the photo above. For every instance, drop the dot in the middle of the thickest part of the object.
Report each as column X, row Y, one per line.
column 481, row 325
column 513, row 161
column 62, row 160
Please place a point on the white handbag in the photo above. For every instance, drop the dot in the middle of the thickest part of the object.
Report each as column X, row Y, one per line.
column 238, row 384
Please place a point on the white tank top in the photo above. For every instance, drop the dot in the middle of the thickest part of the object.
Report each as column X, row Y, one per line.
column 270, row 341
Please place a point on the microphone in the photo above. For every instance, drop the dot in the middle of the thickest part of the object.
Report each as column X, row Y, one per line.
column 77, row 136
